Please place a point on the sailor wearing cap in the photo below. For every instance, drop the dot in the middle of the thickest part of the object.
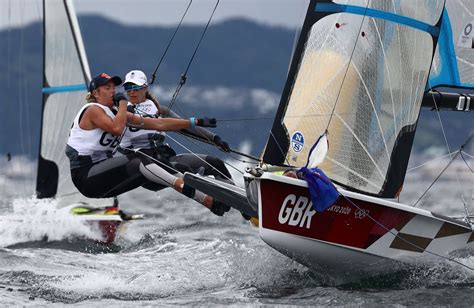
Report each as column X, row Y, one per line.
column 152, row 142
column 95, row 134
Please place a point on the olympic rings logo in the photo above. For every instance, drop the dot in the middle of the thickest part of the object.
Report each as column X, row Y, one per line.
column 361, row 213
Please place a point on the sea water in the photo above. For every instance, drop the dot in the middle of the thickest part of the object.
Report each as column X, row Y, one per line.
column 183, row 254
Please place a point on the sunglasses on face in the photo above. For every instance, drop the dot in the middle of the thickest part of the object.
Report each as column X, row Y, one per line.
column 132, row 87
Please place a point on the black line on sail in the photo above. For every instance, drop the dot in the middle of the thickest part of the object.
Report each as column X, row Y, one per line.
column 47, row 172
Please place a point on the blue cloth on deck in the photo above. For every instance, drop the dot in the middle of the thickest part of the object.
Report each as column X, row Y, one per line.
column 322, row 191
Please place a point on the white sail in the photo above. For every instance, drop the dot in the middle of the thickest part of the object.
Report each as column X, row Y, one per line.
column 66, row 76
column 362, row 74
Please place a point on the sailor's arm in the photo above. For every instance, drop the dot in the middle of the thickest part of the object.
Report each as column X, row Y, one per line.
column 197, row 131
column 98, row 118
column 168, row 124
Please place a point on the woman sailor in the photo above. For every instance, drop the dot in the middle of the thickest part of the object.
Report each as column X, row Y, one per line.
column 95, row 134
column 152, row 142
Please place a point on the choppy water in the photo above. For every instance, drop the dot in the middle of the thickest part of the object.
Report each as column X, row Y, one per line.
column 182, row 254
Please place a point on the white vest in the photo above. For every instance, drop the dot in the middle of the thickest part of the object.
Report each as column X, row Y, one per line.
column 91, row 145
column 142, row 138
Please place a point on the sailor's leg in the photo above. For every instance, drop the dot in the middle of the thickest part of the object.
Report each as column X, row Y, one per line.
column 108, row 178
column 161, row 172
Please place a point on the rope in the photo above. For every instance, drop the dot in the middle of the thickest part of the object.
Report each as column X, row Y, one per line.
column 205, row 140
column 244, row 119
column 280, row 149
column 470, row 156
column 429, row 162
column 200, row 158
column 459, row 152
column 464, row 159
column 407, row 241
column 212, row 143
column 449, row 151
column 153, row 76
column 184, row 76
column 436, row 179
column 189, row 137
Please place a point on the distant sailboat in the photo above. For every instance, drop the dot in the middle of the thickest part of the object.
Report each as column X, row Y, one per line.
column 361, row 71
column 65, row 80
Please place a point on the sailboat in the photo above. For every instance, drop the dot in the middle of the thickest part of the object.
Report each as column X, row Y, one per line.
column 361, row 71
column 65, row 79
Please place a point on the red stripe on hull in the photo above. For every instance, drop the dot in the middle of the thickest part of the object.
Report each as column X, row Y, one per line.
column 342, row 223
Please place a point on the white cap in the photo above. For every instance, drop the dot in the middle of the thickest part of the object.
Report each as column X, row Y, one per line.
column 136, row 77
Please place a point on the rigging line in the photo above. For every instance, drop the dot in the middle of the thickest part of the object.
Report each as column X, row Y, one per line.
column 229, row 154
column 308, row 115
column 242, row 160
column 470, row 156
column 204, row 139
column 226, row 163
column 211, row 143
column 405, row 240
column 244, row 119
column 200, row 158
column 462, row 156
column 347, row 69
column 205, row 150
column 442, row 171
column 184, row 76
column 281, row 150
column 124, row 131
column 431, row 161
column 153, row 76
column 449, row 150
column 436, row 179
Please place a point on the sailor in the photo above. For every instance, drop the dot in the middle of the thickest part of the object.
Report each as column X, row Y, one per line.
column 96, row 132
column 151, row 142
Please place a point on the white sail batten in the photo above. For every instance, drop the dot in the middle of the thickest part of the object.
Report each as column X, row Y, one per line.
column 362, row 75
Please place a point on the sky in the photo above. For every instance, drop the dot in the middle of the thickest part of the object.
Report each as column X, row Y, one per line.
column 286, row 13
